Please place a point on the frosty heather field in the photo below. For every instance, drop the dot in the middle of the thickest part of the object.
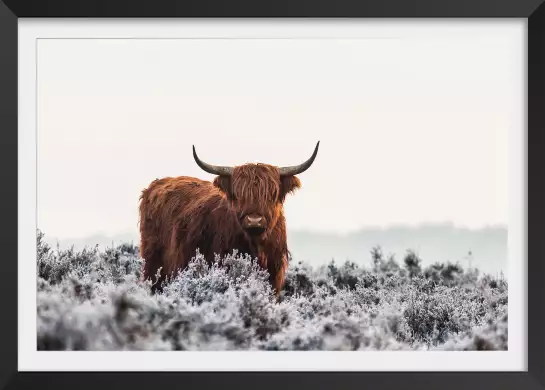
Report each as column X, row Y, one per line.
column 95, row 300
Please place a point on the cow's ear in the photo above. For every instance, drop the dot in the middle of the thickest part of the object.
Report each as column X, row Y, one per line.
column 224, row 184
column 288, row 185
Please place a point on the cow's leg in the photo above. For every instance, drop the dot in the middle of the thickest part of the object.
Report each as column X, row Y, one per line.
column 277, row 272
column 273, row 263
column 278, row 282
column 153, row 259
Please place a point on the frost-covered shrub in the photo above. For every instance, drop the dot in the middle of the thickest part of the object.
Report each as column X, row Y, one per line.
column 300, row 280
column 412, row 263
column 96, row 300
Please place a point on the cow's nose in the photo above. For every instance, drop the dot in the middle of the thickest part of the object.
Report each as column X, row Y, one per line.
column 254, row 220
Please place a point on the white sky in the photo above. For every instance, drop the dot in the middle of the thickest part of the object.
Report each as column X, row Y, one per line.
column 414, row 127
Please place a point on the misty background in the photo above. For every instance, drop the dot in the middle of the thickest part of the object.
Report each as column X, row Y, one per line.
column 414, row 131
column 433, row 243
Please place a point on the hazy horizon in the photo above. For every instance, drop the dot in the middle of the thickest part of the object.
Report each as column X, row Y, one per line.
column 416, row 225
column 432, row 242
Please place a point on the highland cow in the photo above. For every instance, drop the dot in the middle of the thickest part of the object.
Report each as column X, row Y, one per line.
column 241, row 209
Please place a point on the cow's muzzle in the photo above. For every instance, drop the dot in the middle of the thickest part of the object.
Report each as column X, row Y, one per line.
column 254, row 223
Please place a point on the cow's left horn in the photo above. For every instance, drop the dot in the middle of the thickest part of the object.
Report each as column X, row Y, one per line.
column 297, row 169
column 213, row 169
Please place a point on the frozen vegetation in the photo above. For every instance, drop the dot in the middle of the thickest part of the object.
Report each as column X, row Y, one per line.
column 94, row 300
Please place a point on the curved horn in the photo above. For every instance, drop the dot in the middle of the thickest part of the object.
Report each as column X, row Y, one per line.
column 297, row 169
column 213, row 169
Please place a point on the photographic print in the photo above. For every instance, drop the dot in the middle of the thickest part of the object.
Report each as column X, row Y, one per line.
column 320, row 193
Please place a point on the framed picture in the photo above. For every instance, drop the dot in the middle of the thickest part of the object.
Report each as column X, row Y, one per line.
column 307, row 193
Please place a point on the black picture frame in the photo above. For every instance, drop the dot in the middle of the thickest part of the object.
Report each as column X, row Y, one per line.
column 532, row 10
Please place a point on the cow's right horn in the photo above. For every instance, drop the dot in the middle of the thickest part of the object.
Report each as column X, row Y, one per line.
column 297, row 169
column 213, row 169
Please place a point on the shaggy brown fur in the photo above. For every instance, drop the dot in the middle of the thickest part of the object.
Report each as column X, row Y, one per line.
column 179, row 215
